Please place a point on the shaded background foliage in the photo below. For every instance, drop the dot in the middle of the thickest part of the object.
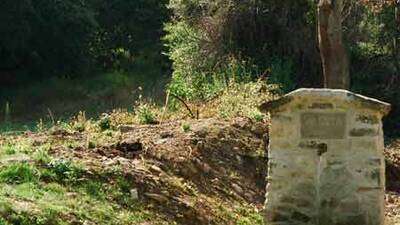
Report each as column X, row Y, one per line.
column 66, row 56
column 45, row 38
column 277, row 41
column 209, row 44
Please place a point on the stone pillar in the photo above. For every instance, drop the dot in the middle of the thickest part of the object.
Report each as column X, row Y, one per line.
column 326, row 163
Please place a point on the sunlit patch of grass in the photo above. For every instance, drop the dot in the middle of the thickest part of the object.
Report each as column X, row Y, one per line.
column 18, row 173
column 9, row 149
column 41, row 155
column 13, row 146
column 62, row 170
column 26, row 199
column 248, row 215
column 94, row 189
column 241, row 100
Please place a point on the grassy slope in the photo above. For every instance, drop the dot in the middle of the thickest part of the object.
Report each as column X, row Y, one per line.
column 196, row 175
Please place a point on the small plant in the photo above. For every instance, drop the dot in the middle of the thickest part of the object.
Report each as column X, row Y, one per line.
column 80, row 121
column 3, row 222
column 63, row 170
column 186, row 127
column 94, row 189
column 40, row 126
column 145, row 115
column 41, row 155
column 257, row 116
column 105, row 122
column 9, row 149
column 18, row 173
column 91, row 144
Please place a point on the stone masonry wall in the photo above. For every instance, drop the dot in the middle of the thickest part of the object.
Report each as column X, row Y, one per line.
column 326, row 164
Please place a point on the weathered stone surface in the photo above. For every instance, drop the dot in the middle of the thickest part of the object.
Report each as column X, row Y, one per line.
column 323, row 125
column 326, row 165
column 363, row 132
column 340, row 97
column 368, row 119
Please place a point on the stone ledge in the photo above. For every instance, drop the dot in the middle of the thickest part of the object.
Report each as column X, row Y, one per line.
column 327, row 95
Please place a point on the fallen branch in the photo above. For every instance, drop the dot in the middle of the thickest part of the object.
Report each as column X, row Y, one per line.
column 184, row 103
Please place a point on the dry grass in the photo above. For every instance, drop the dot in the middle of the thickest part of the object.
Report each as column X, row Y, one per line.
column 238, row 100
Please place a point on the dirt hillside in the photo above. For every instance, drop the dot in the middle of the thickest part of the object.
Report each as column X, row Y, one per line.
column 196, row 172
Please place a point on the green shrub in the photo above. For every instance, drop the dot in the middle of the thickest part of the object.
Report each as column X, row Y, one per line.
column 4, row 222
column 145, row 115
column 62, row 170
column 94, row 189
column 80, row 122
column 9, row 149
column 91, row 144
column 18, row 173
column 42, row 156
column 257, row 116
column 282, row 73
column 105, row 122
column 242, row 99
column 186, row 127
column 48, row 217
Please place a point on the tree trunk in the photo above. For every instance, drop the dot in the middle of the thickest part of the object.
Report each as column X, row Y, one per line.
column 396, row 47
column 335, row 61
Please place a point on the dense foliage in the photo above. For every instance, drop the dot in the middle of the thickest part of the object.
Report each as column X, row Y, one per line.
column 45, row 38
column 277, row 41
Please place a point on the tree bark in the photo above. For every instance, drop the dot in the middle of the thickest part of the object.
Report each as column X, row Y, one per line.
column 396, row 47
column 334, row 57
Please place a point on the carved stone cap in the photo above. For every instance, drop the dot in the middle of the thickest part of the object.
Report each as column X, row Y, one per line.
column 325, row 99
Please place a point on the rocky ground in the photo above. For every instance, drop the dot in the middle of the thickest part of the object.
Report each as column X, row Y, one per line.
column 392, row 153
column 185, row 172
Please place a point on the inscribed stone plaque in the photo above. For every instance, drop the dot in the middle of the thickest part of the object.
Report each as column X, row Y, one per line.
column 323, row 125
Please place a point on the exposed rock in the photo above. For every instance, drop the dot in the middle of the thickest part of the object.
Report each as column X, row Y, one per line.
column 166, row 134
column 156, row 197
column 130, row 147
column 126, row 128
column 259, row 129
column 134, row 194
column 155, row 169
column 237, row 189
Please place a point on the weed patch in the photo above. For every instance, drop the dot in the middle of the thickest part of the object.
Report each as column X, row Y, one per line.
column 62, row 170
column 18, row 173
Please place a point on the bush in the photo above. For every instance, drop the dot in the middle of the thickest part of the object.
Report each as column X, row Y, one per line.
column 105, row 122
column 241, row 40
column 9, row 149
column 375, row 60
column 186, row 127
column 3, row 222
column 42, row 156
column 62, row 170
column 145, row 114
column 19, row 173
column 241, row 99
column 282, row 73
